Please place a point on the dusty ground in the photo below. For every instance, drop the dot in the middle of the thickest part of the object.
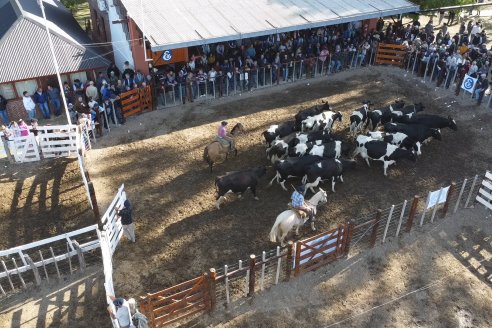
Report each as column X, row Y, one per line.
column 430, row 278
column 41, row 199
column 158, row 156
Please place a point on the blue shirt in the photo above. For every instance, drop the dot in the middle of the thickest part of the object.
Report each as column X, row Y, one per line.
column 297, row 199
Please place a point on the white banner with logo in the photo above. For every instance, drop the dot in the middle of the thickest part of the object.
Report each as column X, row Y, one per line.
column 469, row 83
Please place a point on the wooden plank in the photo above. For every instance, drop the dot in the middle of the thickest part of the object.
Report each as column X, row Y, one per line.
column 318, row 236
column 484, row 202
column 487, row 184
column 394, row 53
column 169, row 299
column 198, row 310
column 314, row 243
column 485, row 194
column 382, row 56
column 389, row 62
column 128, row 114
column 169, row 308
column 321, row 250
column 313, row 265
column 175, row 287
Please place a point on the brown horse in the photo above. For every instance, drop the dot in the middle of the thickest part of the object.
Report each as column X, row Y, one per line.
column 216, row 149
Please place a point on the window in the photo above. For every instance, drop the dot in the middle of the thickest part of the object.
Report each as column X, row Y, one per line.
column 30, row 86
column 7, row 91
column 82, row 76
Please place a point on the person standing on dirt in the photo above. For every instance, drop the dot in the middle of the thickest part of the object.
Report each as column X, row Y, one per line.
column 125, row 214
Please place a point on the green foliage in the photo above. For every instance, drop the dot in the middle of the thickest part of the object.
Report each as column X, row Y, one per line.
column 72, row 4
column 430, row 4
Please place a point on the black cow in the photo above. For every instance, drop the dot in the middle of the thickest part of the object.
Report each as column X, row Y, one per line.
column 292, row 167
column 238, row 182
column 385, row 152
column 305, row 113
column 358, row 118
column 382, row 115
column 334, row 149
column 280, row 147
column 434, row 121
column 325, row 170
column 416, row 132
column 415, row 108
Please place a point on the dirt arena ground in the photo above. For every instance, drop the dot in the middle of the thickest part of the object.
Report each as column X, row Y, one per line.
column 158, row 156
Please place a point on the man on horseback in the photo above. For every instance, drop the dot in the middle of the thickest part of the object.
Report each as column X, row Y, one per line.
column 299, row 204
column 224, row 137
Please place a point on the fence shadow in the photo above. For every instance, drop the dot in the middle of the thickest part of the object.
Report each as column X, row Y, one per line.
column 62, row 304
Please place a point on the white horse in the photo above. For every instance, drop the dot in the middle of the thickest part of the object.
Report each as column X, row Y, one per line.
column 288, row 219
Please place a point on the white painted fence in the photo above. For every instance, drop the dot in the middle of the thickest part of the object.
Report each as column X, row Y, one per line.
column 25, row 149
column 111, row 224
column 27, row 268
column 484, row 196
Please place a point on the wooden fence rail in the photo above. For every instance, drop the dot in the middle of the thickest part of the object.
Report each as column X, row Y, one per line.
column 136, row 101
column 390, row 54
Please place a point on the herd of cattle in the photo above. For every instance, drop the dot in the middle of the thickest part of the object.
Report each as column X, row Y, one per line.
column 306, row 147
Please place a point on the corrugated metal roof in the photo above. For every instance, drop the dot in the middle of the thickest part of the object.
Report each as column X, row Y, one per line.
column 185, row 23
column 24, row 50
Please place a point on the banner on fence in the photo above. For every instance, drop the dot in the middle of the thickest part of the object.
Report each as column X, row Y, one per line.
column 437, row 197
column 469, row 83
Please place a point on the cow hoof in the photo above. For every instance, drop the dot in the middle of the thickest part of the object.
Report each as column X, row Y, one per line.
column 256, row 198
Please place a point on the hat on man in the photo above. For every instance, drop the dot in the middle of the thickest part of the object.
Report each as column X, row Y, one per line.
column 118, row 302
column 300, row 189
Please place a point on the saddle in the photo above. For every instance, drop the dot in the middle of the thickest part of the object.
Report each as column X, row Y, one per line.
column 301, row 214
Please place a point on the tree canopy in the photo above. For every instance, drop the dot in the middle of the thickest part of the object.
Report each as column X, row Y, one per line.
column 429, row 4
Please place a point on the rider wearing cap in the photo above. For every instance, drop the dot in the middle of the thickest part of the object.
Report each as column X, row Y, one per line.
column 298, row 202
column 222, row 134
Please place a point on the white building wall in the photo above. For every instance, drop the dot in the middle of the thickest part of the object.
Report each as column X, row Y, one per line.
column 121, row 47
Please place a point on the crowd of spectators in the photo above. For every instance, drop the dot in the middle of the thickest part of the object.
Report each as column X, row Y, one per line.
column 447, row 57
column 251, row 63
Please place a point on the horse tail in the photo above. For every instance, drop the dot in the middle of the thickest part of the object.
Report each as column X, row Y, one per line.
column 274, row 232
column 206, row 157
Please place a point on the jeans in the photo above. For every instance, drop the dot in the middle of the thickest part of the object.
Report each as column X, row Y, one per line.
column 5, row 117
column 45, row 109
column 31, row 113
column 57, row 104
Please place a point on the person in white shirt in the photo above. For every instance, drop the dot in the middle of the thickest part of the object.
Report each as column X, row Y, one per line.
column 122, row 315
column 29, row 105
column 476, row 29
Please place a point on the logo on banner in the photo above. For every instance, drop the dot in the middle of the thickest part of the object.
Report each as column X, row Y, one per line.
column 167, row 55
column 468, row 83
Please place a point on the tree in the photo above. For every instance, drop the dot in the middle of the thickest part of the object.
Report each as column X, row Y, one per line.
column 430, row 4
column 72, row 4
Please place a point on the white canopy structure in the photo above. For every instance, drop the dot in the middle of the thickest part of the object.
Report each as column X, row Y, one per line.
column 185, row 23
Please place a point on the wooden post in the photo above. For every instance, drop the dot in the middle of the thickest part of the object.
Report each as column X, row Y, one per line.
column 150, row 309
column 34, row 269
column 226, row 281
column 451, row 191
column 460, row 195
column 263, row 265
column 401, row 218
column 351, row 226
column 288, row 263
column 413, row 211
column 212, row 276
column 80, row 255
column 279, row 261
column 252, row 276
column 374, row 234
column 95, row 207
column 390, row 216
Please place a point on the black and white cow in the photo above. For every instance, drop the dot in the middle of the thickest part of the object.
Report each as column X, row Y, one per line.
column 435, row 121
column 334, row 149
column 280, row 147
column 275, row 132
column 376, row 135
column 304, row 114
column 302, row 149
column 327, row 169
column 403, row 141
column 358, row 119
column 385, row 152
column 292, row 167
column 382, row 115
column 238, row 182
column 322, row 121
column 416, row 132
column 415, row 108
column 324, row 136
